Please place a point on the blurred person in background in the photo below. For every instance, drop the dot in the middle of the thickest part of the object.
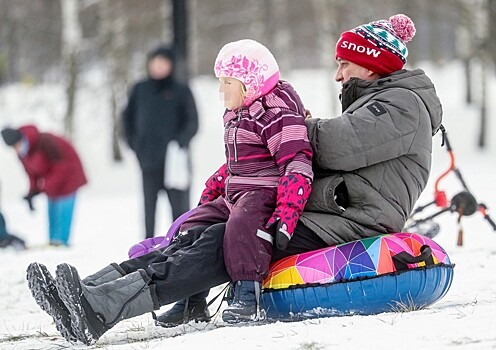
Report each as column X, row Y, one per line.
column 53, row 168
column 159, row 110
column 8, row 239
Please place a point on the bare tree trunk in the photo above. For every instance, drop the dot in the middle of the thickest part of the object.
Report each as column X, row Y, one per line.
column 474, row 43
column 10, row 28
column 327, row 39
column 114, row 47
column 467, row 65
column 491, row 14
column 483, row 103
column 180, row 23
column 277, row 34
column 116, row 127
column 166, row 34
column 71, row 87
column 466, row 42
column 484, row 54
column 71, row 43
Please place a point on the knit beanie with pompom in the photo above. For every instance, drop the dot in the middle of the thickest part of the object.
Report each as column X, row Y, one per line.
column 379, row 45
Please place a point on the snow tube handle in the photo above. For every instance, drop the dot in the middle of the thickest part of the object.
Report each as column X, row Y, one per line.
column 402, row 259
column 154, row 243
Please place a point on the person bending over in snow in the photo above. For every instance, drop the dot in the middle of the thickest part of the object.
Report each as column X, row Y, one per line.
column 54, row 168
column 256, row 197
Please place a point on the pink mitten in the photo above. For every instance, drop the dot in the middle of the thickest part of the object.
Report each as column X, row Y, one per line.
column 292, row 195
column 215, row 185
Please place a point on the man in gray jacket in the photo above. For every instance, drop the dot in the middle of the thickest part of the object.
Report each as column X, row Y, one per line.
column 373, row 161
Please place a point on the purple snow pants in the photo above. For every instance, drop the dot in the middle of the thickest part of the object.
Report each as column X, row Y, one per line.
column 247, row 243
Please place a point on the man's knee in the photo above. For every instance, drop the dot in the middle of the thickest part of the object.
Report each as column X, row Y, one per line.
column 189, row 235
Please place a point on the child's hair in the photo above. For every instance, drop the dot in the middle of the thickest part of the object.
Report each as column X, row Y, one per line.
column 251, row 63
column 244, row 92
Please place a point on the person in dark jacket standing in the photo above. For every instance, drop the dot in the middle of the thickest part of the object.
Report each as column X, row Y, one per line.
column 53, row 168
column 159, row 110
column 370, row 163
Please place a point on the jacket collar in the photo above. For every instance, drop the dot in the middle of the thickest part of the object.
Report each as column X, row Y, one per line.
column 253, row 111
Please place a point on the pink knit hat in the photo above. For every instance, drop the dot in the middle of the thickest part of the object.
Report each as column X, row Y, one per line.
column 251, row 63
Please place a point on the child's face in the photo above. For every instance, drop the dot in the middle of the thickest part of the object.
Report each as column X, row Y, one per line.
column 231, row 92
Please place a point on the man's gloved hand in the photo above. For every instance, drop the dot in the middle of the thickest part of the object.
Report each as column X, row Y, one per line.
column 29, row 199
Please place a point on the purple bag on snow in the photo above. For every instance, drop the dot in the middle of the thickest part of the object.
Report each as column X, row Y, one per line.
column 150, row 244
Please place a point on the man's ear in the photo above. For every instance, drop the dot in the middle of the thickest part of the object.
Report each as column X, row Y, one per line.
column 373, row 75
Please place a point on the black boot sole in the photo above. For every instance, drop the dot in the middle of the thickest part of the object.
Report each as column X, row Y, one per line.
column 44, row 292
column 178, row 315
column 170, row 324
column 70, row 291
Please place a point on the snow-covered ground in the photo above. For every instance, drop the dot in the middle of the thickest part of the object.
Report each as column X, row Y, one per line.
column 109, row 220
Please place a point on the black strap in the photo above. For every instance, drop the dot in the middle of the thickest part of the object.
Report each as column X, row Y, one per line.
column 223, row 291
column 444, row 137
column 186, row 311
column 186, row 318
column 402, row 259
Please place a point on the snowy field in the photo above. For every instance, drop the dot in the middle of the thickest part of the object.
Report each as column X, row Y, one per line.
column 109, row 220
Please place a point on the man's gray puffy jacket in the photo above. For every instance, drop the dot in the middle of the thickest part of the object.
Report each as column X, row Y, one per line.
column 372, row 162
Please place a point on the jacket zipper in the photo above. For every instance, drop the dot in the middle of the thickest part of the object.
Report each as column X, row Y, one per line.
column 234, row 144
column 235, row 149
column 226, row 183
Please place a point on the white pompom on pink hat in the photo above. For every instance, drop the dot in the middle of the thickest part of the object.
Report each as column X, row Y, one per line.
column 379, row 45
column 251, row 63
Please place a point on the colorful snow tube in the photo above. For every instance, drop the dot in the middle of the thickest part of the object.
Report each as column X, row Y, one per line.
column 387, row 273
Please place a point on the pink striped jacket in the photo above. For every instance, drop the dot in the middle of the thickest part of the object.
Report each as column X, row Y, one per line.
column 265, row 141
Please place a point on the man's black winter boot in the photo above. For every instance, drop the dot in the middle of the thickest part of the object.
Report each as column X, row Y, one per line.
column 44, row 291
column 192, row 309
column 96, row 309
column 246, row 304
